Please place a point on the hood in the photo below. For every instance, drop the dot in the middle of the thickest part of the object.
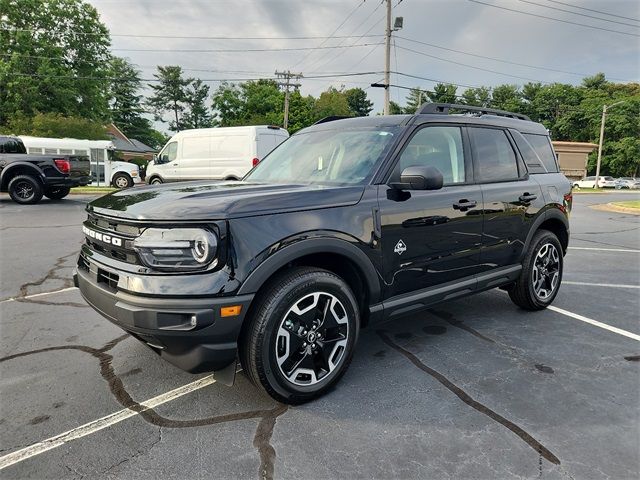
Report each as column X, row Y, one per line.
column 220, row 200
column 124, row 166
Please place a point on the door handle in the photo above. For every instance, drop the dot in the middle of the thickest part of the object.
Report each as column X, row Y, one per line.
column 464, row 204
column 174, row 164
column 526, row 197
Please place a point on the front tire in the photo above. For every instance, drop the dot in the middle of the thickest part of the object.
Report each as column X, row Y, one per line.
column 56, row 193
column 155, row 181
column 25, row 189
column 122, row 180
column 301, row 335
column 541, row 274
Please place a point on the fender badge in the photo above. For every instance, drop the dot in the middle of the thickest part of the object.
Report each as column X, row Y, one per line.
column 400, row 247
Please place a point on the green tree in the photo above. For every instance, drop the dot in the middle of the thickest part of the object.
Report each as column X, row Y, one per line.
column 415, row 98
column 169, row 95
column 443, row 93
column 331, row 102
column 395, row 109
column 55, row 125
column 197, row 114
column 507, row 97
column 263, row 103
column 47, row 65
column 301, row 111
column 478, row 97
column 228, row 105
column 358, row 102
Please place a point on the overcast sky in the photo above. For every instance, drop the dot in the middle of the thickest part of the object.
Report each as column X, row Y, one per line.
column 463, row 25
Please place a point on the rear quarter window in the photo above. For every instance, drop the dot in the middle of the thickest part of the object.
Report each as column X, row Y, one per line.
column 543, row 149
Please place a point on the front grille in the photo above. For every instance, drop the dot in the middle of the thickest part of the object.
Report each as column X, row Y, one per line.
column 114, row 226
column 126, row 233
column 108, row 278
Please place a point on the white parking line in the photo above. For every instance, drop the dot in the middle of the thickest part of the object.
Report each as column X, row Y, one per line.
column 622, row 250
column 100, row 424
column 611, row 285
column 590, row 321
column 595, row 323
column 26, row 297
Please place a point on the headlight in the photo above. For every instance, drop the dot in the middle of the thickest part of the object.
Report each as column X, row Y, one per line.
column 176, row 249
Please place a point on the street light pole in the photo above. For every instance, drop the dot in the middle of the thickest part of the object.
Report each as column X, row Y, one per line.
column 600, row 143
column 387, row 59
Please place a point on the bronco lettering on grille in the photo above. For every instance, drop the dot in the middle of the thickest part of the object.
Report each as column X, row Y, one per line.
column 102, row 237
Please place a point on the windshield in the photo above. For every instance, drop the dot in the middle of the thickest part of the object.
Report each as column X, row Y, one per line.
column 332, row 157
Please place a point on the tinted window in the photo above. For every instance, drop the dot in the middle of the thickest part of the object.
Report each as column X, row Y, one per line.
column 325, row 157
column 542, row 146
column 11, row 145
column 439, row 147
column 496, row 160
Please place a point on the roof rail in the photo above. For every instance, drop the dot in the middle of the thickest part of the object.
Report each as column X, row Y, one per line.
column 443, row 108
column 331, row 119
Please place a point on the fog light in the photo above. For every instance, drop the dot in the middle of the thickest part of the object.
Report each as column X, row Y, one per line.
column 232, row 311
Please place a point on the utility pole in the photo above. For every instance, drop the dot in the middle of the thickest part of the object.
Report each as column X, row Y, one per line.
column 604, row 117
column 387, row 59
column 284, row 80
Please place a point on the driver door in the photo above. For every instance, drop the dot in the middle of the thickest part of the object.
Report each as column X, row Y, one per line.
column 431, row 237
column 169, row 168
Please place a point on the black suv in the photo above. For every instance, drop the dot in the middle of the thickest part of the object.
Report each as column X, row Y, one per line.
column 347, row 223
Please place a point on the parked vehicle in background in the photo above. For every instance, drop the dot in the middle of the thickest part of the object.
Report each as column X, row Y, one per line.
column 28, row 177
column 348, row 223
column 590, row 182
column 606, row 182
column 105, row 168
column 627, row 182
column 214, row 153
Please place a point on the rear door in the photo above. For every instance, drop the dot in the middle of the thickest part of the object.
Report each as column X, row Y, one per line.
column 511, row 197
column 431, row 237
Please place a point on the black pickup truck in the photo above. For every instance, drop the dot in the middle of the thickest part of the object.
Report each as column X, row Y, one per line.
column 28, row 177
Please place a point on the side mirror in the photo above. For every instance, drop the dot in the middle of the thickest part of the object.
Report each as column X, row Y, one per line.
column 420, row 178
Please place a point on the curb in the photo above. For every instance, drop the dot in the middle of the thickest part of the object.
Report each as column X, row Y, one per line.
column 609, row 207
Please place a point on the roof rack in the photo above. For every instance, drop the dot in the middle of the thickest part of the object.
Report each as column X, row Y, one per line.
column 443, row 108
column 331, row 119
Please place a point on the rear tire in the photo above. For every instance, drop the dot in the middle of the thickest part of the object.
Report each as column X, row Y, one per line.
column 122, row 180
column 25, row 189
column 541, row 274
column 56, row 193
column 301, row 335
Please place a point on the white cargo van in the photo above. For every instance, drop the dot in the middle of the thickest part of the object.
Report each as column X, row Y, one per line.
column 225, row 153
column 105, row 169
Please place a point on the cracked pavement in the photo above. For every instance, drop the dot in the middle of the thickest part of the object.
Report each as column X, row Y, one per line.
column 470, row 389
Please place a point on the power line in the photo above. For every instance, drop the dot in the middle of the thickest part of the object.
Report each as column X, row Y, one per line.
column 187, row 37
column 470, row 66
column 321, row 57
column 496, row 59
column 331, row 35
column 578, row 13
column 595, row 11
column 434, row 80
column 107, row 78
column 239, row 50
column 554, row 19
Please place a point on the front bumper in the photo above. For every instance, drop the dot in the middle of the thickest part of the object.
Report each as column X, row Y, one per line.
column 187, row 332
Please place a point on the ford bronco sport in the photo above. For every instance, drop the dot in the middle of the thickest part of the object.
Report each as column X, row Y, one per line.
column 347, row 223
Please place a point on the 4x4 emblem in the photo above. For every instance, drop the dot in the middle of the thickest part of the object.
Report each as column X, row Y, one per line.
column 400, row 247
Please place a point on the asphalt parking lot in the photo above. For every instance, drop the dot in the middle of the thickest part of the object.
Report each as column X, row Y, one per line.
column 470, row 389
